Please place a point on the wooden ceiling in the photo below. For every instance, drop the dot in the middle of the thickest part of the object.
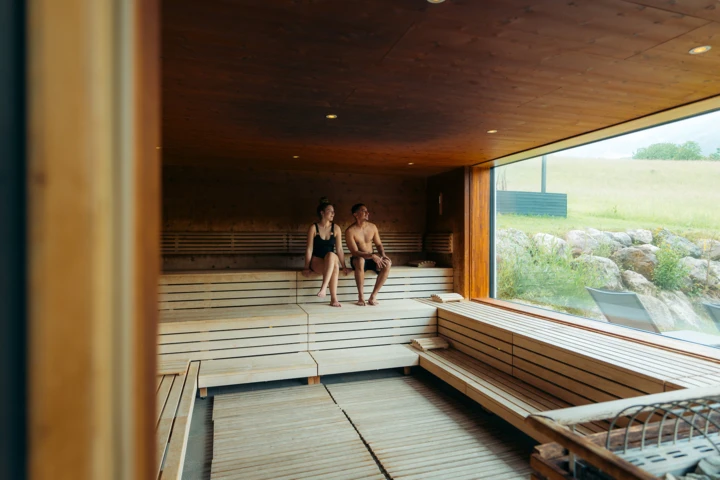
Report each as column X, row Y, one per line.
column 249, row 82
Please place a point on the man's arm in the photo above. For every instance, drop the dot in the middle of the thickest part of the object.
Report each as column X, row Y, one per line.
column 352, row 246
column 378, row 243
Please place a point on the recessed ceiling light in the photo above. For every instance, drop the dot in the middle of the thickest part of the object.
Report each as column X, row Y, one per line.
column 331, row 116
column 411, row 163
column 296, row 156
column 492, row 131
column 436, row 1
column 698, row 50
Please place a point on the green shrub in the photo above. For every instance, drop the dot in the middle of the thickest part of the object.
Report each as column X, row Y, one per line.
column 546, row 278
column 669, row 272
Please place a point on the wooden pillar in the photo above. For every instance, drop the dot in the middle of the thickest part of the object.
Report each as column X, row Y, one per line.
column 93, row 238
column 479, row 226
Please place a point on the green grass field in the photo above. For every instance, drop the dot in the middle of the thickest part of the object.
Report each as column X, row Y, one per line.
column 617, row 194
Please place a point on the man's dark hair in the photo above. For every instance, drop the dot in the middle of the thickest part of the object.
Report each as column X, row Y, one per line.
column 356, row 207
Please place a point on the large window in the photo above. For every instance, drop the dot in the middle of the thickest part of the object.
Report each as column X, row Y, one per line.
column 626, row 230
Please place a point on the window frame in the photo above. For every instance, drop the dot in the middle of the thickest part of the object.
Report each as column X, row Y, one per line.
column 482, row 236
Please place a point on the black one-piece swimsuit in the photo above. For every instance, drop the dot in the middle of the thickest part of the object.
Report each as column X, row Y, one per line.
column 323, row 247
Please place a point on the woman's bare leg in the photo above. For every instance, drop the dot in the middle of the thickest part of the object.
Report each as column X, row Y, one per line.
column 319, row 265
column 332, row 258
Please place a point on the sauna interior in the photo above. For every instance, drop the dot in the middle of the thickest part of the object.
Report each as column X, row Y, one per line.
column 543, row 176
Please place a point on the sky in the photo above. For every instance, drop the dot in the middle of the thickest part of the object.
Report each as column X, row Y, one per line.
column 704, row 129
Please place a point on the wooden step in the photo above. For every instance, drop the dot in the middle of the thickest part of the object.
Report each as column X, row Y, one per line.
column 235, row 371
column 362, row 359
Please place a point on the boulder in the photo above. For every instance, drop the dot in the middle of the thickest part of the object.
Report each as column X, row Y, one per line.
column 638, row 283
column 551, row 244
column 659, row 312
column 682, row 244
column 606, row 269
column 683, row 314
column 511, row 243
column 637, row 259
column 709, row 248
column 701, row 272
column 620, row 237
column 640, row 236
column 581, row 242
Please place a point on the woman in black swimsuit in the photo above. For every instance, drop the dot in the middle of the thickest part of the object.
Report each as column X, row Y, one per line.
column 324, row 239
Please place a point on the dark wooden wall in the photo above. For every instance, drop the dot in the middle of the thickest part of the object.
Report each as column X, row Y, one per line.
column 229, row 199
column 454, row 189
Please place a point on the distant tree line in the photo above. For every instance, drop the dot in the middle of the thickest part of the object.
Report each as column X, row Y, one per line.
column 671, row 151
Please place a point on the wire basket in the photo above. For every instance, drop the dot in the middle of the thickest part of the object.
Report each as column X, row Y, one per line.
column 645, row 438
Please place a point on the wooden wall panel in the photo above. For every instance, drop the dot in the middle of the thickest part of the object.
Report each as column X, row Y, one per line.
column 450, row 217
column 228, row 199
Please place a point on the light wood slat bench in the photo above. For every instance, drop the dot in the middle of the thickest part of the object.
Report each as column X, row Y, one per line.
column 234, row 332
column 183, row 291
column 266, row 368
column 353, row 338
column 175, row 402
column 579, row 365
column 330, row 362
column 497, row 391
column 553, row 361
column 403, row 282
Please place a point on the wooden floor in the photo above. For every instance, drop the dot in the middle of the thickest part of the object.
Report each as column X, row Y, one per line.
column 286, row 433
column 417, row 432
column 413, row 429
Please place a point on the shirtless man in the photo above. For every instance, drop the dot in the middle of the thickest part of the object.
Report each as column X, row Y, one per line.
column 360, row 237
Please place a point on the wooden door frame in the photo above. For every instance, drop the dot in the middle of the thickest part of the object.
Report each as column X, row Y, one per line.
column 93, row 237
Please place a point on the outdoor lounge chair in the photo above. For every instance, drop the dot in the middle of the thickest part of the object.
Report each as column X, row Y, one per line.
column 623, row 308
column 714, row 311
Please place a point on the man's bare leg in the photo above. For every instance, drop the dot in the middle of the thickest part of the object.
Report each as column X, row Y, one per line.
column 382, row 276
column 359, row 264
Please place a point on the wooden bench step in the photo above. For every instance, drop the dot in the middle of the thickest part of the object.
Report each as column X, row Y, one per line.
column 235, row 371
column 175, row 400
column 501, row 393
column 362, row 359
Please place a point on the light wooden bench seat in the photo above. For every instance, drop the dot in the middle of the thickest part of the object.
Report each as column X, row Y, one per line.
column 183, row 291
column 175, row 399
column 403, row 283
column 391, row 322
column 236, row 371
column 363, row 359
column 234, row 332
column 497, row 391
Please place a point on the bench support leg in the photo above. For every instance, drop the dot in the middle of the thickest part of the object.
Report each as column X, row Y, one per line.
column 313, row 380
column 203, row 392
column 407, row 370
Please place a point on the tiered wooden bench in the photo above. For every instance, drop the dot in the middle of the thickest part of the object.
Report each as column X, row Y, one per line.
column 175, row 401
column 516, row 365
column 354, row 338
column 244, row 326
column 240, row 344
column 403, row 282
column 184, row 291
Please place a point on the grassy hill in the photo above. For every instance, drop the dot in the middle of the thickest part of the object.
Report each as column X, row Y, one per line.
column 616, row 194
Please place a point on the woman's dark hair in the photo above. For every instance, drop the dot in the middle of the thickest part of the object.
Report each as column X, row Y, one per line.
column 324, row 203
